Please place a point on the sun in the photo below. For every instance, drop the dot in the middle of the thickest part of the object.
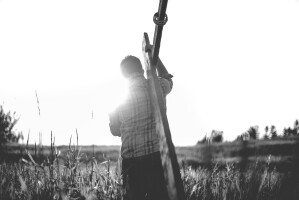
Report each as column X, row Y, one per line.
column 116, row 95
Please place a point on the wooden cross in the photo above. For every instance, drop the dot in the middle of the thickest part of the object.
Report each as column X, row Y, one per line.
column 169, row 159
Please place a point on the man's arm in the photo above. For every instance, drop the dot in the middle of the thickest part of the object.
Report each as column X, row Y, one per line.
column 114, row 124
column 165, row 78
column 162, row 71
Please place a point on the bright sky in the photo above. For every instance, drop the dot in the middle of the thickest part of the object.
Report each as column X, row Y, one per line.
column 235, row 64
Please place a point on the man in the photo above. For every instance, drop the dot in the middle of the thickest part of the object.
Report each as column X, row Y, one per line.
column 134, row 122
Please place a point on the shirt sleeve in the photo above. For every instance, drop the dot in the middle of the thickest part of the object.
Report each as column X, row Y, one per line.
column 114, row 124
column 166, row 85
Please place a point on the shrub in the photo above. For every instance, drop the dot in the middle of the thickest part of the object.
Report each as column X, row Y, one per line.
column 216, row 136
column 7, row 123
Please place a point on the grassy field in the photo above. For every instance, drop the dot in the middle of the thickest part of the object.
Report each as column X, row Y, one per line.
column 221, row 152
column 232, row 170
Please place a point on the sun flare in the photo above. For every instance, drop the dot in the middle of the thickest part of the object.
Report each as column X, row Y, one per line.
column 116, row 95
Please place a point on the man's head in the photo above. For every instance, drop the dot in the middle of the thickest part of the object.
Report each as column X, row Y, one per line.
column 130, row 65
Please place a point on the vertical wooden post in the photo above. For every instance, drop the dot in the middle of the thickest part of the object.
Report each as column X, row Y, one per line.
column 169, row 159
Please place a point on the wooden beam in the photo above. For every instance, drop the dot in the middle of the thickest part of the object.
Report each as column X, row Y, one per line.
column 169, row 159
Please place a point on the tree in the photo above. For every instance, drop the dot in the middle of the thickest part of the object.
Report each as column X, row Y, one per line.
column 7, row 123
column 296, row 127
column 216, row 136
column 273, row 132
column 287, row 132
column 266, row 129
column 253, row 132
column 204, row 140
column 242, row 137
column 266, row 136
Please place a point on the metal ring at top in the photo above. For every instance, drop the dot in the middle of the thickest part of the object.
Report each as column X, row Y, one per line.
column 160, row 22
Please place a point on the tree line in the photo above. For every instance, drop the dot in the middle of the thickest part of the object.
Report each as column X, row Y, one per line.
column 270, row 132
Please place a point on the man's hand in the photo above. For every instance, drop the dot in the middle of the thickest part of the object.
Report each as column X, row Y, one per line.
column 162, row 71
column 148, row 48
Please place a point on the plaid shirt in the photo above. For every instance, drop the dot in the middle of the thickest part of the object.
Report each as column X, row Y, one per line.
column 134, row 121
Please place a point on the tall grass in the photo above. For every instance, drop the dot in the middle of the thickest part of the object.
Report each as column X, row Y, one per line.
column 74, row 180
column 231, row 183
column 67, row 177
column 59, row 177
column 72, row 175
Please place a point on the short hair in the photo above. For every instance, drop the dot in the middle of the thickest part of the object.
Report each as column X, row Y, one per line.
column 130, row 65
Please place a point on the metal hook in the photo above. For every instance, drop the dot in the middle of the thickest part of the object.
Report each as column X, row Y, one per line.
column 160, row 22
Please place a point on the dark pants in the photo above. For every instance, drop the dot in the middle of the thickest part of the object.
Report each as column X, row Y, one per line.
column 143, row 178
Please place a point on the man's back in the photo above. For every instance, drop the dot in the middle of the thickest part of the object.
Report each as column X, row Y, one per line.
column 138, row 126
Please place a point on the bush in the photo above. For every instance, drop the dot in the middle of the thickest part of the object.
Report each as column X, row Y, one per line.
column 7, row 123
column 203, row 140
column 216, row 136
